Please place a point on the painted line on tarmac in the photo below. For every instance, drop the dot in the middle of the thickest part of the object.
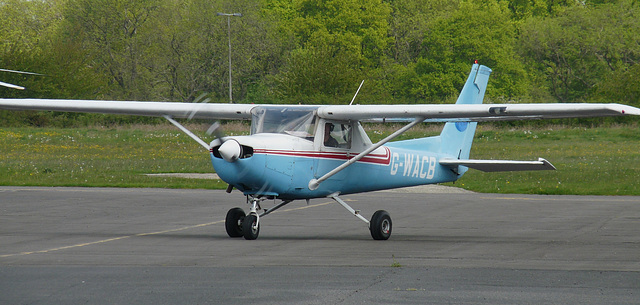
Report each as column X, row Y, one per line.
column 110, row 240
column 144, row 234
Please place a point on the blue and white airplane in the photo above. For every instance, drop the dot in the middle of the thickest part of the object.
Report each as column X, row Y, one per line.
column 297, row 152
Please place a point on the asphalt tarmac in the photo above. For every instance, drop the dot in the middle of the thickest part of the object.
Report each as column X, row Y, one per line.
column 159, row 246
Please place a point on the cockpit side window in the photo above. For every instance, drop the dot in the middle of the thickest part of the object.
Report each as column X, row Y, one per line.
column 337, row 135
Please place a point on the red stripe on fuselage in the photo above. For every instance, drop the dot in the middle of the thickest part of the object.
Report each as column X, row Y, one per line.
column 383, row 159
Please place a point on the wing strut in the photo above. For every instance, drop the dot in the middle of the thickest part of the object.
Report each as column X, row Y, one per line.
column 188, row 132
column 314, row 183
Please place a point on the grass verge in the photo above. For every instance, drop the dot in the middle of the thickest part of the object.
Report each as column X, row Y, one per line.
column 113, row 157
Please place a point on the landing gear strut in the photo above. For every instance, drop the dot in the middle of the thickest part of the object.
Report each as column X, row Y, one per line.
column 380, row 224
column 251, row 223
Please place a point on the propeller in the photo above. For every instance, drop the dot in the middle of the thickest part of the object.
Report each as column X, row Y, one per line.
column 230, row 150
column 200, row 99
column 216, row 130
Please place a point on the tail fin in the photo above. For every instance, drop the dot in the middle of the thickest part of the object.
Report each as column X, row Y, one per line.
column 457, row 137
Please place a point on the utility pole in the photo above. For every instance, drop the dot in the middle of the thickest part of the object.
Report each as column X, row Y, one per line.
column 229, row 34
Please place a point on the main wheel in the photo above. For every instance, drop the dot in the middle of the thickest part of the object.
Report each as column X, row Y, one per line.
column 250, row 227
column 380, row 225
column 233, row 222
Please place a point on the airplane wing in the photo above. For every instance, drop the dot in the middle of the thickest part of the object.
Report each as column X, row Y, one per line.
column 476, row 112
column 500, row 165
column 430, row 112
column 176, row 110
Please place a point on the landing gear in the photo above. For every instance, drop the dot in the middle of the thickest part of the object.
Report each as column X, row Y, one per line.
column 380, row 225
column 239, row 224
column 233, row 222
column 251, row 223
column 251, row 227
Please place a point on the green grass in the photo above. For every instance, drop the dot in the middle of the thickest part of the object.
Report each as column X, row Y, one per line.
column 101, row 157
column 597, row 161
column 589, row 161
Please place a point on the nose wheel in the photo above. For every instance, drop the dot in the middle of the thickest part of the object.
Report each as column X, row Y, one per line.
column 251, row 227
column 238, row 224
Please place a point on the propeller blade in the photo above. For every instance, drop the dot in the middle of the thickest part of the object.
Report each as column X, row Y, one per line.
column 216, row 130
column 200, row 100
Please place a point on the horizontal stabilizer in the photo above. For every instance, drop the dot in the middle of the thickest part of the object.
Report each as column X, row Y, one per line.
column 500, row 165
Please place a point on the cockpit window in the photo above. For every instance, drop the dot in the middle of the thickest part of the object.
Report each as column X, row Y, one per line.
column 337, row 135
column 298, row 121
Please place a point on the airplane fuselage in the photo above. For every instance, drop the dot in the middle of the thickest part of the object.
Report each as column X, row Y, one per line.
column 282, row 166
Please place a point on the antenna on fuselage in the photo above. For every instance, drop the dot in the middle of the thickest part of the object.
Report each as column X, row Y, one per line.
column 354, row 96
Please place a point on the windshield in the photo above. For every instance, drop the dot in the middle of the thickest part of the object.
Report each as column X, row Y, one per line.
column 296, row 121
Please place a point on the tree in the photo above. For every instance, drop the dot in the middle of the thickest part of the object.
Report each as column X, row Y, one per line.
column 621, row 87
column 339, row 41
column 474, row 31
column 583, row 47
column 523, row 9
column 410, row 20
column 25, row 41
column 114, row 35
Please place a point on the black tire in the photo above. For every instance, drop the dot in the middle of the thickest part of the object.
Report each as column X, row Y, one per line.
column 248, row 230
column 380, row 225
column 233, row 222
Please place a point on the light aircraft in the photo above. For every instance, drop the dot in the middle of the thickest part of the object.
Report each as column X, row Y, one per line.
column 298, row 152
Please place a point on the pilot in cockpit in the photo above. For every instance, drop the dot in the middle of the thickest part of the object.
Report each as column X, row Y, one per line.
column 329, row 141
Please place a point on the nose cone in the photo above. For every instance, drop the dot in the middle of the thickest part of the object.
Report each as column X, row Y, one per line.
column 230, row 150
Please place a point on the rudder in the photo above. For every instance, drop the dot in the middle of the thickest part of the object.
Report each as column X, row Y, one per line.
column 457, row 137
